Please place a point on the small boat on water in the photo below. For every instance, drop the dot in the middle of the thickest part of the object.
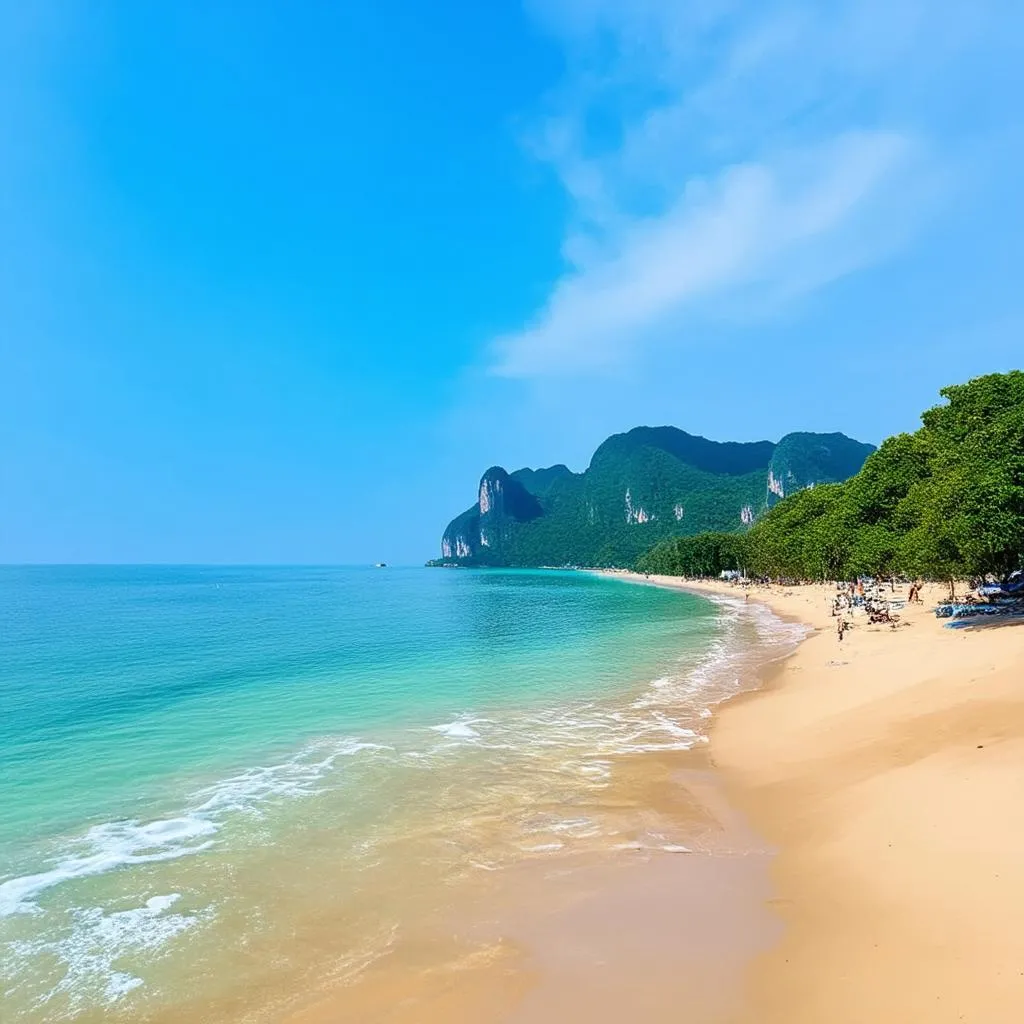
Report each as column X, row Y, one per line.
column 380, row 565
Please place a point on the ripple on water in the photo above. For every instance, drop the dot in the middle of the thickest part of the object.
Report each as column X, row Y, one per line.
column 98, row 952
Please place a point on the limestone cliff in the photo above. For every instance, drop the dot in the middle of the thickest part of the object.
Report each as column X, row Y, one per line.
column 640, row 487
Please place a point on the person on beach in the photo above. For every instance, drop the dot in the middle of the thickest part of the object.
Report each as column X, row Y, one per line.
column 840, row 628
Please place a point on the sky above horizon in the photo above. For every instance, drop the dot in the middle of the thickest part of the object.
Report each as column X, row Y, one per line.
column 278, row 282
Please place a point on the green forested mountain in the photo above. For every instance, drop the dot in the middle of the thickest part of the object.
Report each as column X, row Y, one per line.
column 640, row 487
column 945, row 502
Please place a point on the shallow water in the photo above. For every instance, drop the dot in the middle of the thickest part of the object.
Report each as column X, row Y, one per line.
column 218, row 784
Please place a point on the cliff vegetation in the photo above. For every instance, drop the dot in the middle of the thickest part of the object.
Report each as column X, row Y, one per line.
column 641, row 487
column 945, row 502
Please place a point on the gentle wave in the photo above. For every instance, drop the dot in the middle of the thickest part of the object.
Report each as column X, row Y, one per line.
column 114, row 845
column 119, row 844
column 97, row 942
column 460, row 729
column 586, row 736
column 651, row 722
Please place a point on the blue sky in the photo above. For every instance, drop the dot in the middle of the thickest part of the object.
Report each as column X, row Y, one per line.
column 277, row 282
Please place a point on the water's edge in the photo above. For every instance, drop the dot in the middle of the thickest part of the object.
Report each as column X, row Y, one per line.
column 464, row 796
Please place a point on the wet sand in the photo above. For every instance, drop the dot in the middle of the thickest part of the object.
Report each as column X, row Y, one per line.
column 883, row 773
column 658, row 915
column 889, row 771
column 648, row 927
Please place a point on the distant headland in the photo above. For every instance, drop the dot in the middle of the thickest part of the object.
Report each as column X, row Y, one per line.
column 641, row 487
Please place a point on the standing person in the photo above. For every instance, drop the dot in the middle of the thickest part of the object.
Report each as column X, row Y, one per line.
column 840, row 627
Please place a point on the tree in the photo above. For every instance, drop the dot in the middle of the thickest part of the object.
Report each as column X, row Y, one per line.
column 801, row 537
column 945, row 502
column 978, row 466
column 705, row 554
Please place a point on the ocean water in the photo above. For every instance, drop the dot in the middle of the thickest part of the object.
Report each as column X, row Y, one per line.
column 216, row 783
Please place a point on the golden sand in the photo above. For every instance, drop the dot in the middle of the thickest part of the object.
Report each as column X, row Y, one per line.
column 889, row 771
column 619, row 933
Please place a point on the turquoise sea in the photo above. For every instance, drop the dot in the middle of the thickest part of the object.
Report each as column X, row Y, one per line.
column 198, row 764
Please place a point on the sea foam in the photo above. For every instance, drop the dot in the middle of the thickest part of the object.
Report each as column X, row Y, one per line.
column 97, row 942
column 460, row 729
column 119, row 844
column 108, row 847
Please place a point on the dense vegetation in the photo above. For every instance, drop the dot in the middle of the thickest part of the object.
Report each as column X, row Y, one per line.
column 706, row 554
column 942, row 503
column 642, row 486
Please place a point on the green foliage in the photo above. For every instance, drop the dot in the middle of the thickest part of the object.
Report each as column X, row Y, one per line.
column 944, row 503
column 641, row 487
column 977, row 484
column 806, row 531
column 706, row 554
column 802, row 459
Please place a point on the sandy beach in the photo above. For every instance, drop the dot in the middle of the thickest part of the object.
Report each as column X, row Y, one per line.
column 887, row 771
column 852, row 844
column 661, row 914
column 629, row 929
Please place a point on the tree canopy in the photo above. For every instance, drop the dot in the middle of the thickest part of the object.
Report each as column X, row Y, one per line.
column 706, row 554
column 944, row 502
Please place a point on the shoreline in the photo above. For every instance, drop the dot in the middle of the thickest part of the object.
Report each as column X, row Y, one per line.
column 886, row 770
column 647, row 927
column 574, row 854
column 842, row 843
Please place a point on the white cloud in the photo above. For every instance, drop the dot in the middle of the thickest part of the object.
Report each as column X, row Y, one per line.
column 719, row 153
column 754, row 224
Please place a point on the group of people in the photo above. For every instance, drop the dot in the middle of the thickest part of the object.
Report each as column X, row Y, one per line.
column 878, row 609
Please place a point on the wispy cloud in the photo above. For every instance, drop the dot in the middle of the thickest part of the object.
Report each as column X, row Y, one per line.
column 723, row 156
column 762, row 224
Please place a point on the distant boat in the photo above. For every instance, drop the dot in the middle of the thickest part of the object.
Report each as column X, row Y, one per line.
column 380, row 565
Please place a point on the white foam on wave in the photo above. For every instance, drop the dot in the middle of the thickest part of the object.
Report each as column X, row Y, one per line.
column 119, row 844
column 574, row 828
column 746, row 628
column 585, row 735
column 668, row 715
column 460, row 729
column 108, row 847
column 98, row 942
column 249, row 791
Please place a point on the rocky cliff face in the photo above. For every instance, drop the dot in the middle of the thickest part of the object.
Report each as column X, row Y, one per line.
column 484, row 530
column 802, row 460
column 640, row 487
